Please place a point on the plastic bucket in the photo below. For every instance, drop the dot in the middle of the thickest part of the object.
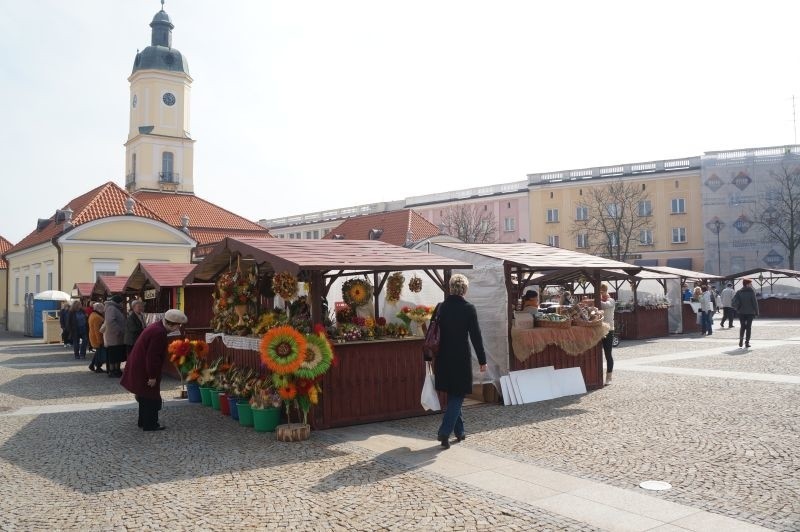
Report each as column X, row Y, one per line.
column 215, row 399
column 266, row 419
column 193, row 391
column 233, row 407
column 224, row 405
column 245, row 413
column 205, row 395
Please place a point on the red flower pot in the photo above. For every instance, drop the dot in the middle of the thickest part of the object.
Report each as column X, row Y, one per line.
column 224, row 406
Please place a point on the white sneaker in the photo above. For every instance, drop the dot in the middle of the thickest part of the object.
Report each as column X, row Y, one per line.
column 608, row 378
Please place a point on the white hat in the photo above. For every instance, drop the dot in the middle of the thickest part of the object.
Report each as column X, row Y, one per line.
column 99, row 307
column 175, row 316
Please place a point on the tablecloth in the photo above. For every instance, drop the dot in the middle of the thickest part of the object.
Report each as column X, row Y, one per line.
column 573, row 341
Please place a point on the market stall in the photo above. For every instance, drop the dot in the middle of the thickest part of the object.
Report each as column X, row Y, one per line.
column 782, row 297
column 644, row 317
column 378, row 375
column 502, row 273
column 108, row 286
column 682, row 314
column 83, row 292
column 158, row 284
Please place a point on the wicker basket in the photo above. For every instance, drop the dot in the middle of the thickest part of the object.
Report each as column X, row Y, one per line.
column 581, row 323
column 547, row 324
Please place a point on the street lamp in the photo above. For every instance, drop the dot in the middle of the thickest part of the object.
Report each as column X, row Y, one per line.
column 717, row 229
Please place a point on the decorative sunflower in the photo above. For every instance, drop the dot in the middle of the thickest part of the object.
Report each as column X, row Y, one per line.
column 394, row 286
column 356, row 292
column 415, row 284
column 319, row 356
column 283, row 349
column 288, row 392
column 285, row 285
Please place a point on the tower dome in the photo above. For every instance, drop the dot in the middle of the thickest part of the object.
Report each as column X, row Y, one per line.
column 160, row 55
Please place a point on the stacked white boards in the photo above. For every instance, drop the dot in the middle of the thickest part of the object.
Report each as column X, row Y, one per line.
column 541, row 384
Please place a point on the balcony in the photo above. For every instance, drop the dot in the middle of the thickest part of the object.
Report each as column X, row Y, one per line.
column 169, row 178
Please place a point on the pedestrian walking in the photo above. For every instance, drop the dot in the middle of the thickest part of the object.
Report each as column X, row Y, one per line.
column 706, row 309
column 96, row 320
column 726, row 297
column 608, row 305
column 746, row 306
column 114, row 336
column 142, row 375
column 458, row 325
column 134, row 325
column 78, row 329
column 62, row 319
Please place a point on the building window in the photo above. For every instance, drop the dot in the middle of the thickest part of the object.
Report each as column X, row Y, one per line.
column 678, row 206
column 509, row 225
column 509, row 205
column 646, row 237
column 552, row 240
column 101, row 273
column 325, row 232
column 678, row 235
column 27, row 285
column 309, row 235
column 582, row 241
column 582, row 213
column 49, row 280
column 552, row 216
column 613, row 239
column 645, row 208
column 316, row 234
column 104, row 267
column 16, row 290
column 37, row 284
column 168, row 167
column 613, row 210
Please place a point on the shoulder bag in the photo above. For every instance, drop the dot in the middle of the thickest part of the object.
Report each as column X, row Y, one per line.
column 431, row 344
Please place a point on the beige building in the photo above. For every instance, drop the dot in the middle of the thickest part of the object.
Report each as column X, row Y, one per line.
column 110, row 230
column 559, row 199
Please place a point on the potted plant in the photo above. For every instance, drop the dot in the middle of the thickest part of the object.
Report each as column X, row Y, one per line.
column 245, row 393
column 264, row 405
column 237, row 379
column 187, row 356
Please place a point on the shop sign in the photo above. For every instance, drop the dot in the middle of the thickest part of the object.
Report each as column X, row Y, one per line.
column 150, row 294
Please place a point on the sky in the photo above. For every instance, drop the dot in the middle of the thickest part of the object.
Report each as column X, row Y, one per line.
column 300, row 106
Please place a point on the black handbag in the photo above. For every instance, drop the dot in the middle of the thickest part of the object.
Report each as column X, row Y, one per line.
column 430, row 346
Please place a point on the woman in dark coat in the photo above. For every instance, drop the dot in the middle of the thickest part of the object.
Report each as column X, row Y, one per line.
column 78, row 327
column 458, row 325
column 746, row 306
column 114, row 336
column 142, row 375
column 134, row 325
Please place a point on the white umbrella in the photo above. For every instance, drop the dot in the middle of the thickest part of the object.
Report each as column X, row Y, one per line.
column 53, row 295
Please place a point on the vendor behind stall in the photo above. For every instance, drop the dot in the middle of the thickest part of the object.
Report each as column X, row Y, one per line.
column 530, row 301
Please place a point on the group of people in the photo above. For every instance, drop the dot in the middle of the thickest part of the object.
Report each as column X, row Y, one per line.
column 104, row 330
column 742, row 303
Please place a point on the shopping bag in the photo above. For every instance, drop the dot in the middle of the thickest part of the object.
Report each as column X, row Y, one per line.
column 429, row 398
column 430, row 347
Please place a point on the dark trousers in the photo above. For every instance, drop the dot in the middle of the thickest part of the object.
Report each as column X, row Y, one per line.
column 148, row 412
column 99, row 357
column 745, row 323
column 608, row 345
column 79, row 344
column 727, row 315
column 452, row 422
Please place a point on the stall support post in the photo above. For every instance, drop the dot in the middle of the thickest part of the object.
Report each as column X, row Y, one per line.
column 377, row 290
column 316, row 298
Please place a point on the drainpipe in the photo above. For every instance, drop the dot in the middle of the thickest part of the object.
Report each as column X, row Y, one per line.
column 58, row 263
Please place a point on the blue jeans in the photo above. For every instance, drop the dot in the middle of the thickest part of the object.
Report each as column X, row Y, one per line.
column 705, row 322
column 452, row 422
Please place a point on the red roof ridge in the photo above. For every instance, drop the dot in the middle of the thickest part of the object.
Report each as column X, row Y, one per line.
column 396, row 226
column 146, row 195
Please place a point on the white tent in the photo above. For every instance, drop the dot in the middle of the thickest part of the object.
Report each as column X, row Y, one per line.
column 53, row 295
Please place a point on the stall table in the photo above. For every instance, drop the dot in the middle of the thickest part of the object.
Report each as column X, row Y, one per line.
column 690, row 324
column 774, row 307
column 576, row 347
column 642, row 323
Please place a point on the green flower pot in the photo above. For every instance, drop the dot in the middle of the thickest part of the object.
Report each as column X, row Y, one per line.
column 266, row 419
column 205, row 396
column 215, row 399
column 245, row 414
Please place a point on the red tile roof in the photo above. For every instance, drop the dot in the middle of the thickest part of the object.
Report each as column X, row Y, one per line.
column 158, row 274
column 110, row 284
column 202, row 214
column 102, row 202
column 84, row 289
column 5, row 245
column 212, row 236
column 397, row 226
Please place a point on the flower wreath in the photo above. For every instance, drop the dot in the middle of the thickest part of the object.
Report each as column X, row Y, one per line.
column 415, row 284
column 394, row 286
column 285, row 285
column 283, row 349
column 356, row 292
column 319, row 357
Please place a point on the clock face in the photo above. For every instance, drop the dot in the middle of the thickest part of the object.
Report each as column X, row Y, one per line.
column 134, row 101
column 169, row 98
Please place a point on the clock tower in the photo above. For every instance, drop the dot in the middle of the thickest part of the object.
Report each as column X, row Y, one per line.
column 159, row 150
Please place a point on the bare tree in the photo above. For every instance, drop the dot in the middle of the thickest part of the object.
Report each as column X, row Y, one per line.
column 470, row 223
column 777, row 211
column 613, row 219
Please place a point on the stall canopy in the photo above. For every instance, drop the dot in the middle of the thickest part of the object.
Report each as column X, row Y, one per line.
column 502, row 271
column 82, row 290
column 109, row 285
column 683, row 274
column 765, row 276
column 158, row 275
column 320, row 262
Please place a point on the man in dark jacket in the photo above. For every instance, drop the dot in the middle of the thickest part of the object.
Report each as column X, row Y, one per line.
column 458, row 325
column 746, row 306
column 134, row 325
column 142, row 375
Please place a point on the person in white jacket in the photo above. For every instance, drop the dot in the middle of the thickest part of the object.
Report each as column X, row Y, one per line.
column 727, row 306
column 706, row 308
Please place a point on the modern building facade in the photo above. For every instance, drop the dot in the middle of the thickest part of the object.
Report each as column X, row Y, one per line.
column 672, row 187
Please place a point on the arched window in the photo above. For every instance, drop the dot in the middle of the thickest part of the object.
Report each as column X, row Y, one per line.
column 168, row 167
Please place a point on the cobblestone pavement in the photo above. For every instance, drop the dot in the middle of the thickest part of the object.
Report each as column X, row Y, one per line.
column 726, row 446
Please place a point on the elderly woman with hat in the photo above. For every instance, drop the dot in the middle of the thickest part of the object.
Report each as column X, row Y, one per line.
column 96, row 320
column 142, row 375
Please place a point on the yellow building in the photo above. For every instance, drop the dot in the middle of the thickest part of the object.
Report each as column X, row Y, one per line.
column 675, row 236
column 109, row 230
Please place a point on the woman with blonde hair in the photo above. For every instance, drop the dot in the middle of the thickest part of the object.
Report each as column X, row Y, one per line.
column 458, row 326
